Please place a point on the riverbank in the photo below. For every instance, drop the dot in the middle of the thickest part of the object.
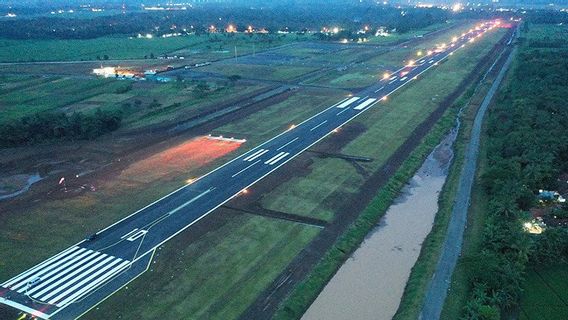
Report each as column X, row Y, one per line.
column 371, row 282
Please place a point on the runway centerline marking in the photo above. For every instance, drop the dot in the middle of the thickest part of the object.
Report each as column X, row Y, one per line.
column 190, row 201
column 319, row 125
column 379, row 89
column 340, row 112
column 289, row 143
column 245, row 169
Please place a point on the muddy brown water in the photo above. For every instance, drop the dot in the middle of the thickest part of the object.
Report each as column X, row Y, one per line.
column 371, row 282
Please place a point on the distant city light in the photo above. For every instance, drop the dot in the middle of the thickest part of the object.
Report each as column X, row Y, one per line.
column 457, row 7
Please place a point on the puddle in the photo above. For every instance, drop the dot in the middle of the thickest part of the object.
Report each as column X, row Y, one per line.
column 371, row 282
column 31, row 180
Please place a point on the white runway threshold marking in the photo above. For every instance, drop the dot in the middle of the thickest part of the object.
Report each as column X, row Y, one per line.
column 74, row 273
column 276, row 158
column 67, row 276
column 365, row 104
column 346, row 103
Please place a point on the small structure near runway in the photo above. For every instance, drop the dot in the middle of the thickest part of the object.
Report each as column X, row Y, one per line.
column 231, row 139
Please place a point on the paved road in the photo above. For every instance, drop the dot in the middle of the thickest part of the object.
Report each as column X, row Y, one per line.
column 75, row 280
column 440, row 282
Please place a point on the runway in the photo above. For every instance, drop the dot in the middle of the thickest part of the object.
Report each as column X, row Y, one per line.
column 77, row 279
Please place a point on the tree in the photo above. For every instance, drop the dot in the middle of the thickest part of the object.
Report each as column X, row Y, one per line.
column 201, row 89
column 234, row 78
column 154, row 104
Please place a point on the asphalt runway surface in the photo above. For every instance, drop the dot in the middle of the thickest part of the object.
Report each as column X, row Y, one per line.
column 72, row 282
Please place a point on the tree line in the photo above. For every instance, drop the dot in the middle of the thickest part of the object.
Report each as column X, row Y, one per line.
column 199, row 19
column 55, row 125
column 527, row 149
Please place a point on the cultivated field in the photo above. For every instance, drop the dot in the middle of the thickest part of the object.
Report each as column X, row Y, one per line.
column 546, row 294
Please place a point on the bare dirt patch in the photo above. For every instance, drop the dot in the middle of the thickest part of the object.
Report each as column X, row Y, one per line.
column 182, row 158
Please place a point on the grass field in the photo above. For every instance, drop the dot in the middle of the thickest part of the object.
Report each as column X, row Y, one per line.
column 204, row 279
column 353, row 77
column 387, row 126
column 397, row 37
column 209, row 268
column 270, row 121
column 375, row 64
column 26, row 95
column 284, row 72
column 546, row 294
column 397, row 58
column 220, row 264
column 205, row 47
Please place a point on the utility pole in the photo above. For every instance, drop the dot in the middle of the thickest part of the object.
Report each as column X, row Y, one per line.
column 235, row 53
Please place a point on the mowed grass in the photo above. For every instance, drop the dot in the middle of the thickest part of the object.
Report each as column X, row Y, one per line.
column 268, row 122
column 123, row 47
column 216, row 277
column 33, row 95
column 397, row 58
column 351, row 78
column 22, row 96
column 552, row 32
column 176, row 103
column 253, row 71
column 545, row 295
column 398, row 37
column 387, row 125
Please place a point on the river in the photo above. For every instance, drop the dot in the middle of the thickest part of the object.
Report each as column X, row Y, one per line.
column 371, row 282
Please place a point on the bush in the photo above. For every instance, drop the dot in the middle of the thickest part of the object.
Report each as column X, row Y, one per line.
column 57, row 125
